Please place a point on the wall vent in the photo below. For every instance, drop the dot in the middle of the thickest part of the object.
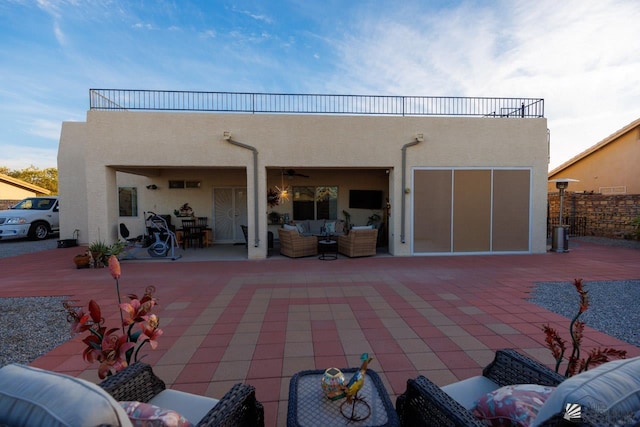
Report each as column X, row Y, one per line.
column 621, row 189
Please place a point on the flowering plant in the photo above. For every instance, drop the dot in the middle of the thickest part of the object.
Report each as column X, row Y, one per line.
column 115, row 351
column 558, row 346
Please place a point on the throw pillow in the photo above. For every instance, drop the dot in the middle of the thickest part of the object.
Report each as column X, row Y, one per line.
column 339, row 227
column 512, row 405
column 614, row 387
column 146, row 415
column 300, row 227
column 330, row 227
column 35, row 397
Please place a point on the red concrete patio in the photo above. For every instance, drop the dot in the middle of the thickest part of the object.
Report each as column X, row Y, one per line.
column 259, row 322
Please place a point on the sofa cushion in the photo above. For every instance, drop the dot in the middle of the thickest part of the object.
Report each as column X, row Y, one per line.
column 512, row 405
column 467, row 392
column 34, row 397
column 362, row 227
column 146, row 415
column 192, row 406
column 613, row 388
column 315, row 226
column 290, row 227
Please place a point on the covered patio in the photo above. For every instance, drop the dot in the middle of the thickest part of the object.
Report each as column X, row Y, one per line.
column 261, row 321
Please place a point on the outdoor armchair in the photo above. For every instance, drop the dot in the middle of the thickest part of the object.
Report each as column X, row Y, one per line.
column 294, row 245
column 358, row 243
column 425, row 404
column 137, row 382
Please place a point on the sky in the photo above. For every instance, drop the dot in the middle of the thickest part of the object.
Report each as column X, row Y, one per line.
column 582, row 57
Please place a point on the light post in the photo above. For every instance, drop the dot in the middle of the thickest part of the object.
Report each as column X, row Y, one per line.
column 560, row 234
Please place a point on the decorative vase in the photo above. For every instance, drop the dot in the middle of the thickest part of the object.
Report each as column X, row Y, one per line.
column 332, row 382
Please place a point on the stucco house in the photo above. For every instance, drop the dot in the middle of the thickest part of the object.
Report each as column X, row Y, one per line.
column 608, row 167
column 13, row 189
column 443, row 175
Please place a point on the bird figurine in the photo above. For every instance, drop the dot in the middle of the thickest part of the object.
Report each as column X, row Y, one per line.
column 357, row 380
column 360, row 409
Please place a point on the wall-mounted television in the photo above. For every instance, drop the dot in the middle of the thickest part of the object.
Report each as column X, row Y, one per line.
column 365, row 199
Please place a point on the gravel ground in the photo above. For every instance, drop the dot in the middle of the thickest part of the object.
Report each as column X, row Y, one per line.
column 612, row 308
column 33, row 326
column 10, row 248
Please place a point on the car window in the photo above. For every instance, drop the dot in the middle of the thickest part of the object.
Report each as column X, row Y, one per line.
column 44, row 204
column 35, row 204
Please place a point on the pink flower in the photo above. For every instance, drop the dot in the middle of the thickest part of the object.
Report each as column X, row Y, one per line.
column 114, row 267
column 150, row 330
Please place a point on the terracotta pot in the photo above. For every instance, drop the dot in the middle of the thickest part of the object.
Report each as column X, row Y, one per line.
column 82, row 261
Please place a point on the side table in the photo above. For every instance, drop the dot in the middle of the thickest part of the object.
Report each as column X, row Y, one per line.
column 309, row 407
column 328, row 249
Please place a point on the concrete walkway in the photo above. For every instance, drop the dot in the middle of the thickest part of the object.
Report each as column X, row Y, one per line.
column 261, row 321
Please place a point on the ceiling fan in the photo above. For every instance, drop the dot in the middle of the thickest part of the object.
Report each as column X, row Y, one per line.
column 291, row 173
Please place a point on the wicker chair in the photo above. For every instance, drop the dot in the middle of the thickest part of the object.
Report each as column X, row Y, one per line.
column 293, row 245
column 358, row 243
column 238, row 407
column 426, row 404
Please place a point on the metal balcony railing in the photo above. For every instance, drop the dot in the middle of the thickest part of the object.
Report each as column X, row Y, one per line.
column 163, row 100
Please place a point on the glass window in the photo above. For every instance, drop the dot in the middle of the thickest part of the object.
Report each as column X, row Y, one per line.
column 128, row 201
column 315, row 203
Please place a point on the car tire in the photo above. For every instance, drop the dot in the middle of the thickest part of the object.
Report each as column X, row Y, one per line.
column 38, row 231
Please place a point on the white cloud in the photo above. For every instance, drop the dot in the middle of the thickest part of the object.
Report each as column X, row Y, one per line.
column 20, row 157
column 582, row 57
column 58, row 33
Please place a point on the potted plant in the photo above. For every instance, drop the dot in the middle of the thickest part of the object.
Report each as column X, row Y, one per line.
column 116, row 248
column 184, row 210
column 99, row 251
column 82, row 260
column 274, row 217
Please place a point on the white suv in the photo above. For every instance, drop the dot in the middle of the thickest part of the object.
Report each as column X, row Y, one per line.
column 33, row 217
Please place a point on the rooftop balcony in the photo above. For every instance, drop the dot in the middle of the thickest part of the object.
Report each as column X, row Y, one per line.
column 254, row 103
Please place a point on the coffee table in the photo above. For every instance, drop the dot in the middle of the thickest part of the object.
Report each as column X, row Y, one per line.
column 328, row 249
column 309, row 407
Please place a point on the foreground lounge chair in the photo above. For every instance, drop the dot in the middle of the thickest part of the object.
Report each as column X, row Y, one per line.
column 606, row 395
column 36, row 397
column 238, row 407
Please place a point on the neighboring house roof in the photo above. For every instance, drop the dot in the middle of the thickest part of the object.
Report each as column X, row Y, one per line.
column 596, row 147
column 23, row 184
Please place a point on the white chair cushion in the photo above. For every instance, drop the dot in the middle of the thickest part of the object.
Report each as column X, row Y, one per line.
column 467, row 392
column 35, row 397
column 612, row 387
column 192, row 406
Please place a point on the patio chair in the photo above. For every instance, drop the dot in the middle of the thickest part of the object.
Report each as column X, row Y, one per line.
column 358, row 243
column 294, row 245
column 613, row 385
column 31, row 396
column 137, row 382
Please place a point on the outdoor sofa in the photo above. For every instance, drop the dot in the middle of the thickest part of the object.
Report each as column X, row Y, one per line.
column 606, row 395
